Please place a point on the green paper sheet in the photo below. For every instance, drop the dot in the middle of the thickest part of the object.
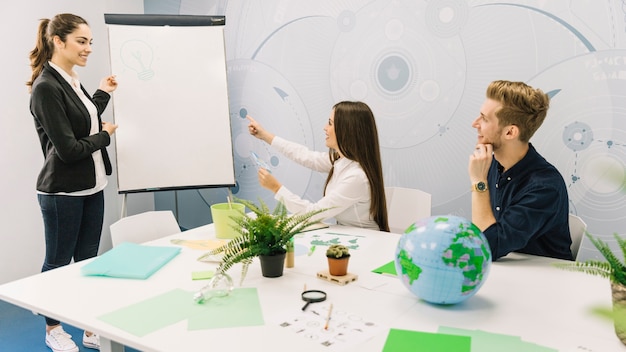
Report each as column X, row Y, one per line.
column 389, row 268
column 240, row 308
column 483, row 341
column 418, row 341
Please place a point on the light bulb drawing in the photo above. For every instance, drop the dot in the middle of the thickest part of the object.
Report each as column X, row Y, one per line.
column 137, row 55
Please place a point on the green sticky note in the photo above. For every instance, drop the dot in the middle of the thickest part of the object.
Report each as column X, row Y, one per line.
column 389, row 268
column 417, row 341
column 202, row 275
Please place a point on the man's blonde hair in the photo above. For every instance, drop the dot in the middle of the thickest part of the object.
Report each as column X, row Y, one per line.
column 522, row 106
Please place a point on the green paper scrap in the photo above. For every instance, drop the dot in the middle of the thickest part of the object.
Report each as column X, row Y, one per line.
column 389, row 269
column 418, row 341
column 240, row 308
column 484, row 341
column 202, row 275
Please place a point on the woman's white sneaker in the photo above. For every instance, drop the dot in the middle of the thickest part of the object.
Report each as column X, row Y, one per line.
column 60, row 341
column 92, row 341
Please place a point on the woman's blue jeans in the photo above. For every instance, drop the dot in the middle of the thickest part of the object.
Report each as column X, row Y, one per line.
column 73, row 227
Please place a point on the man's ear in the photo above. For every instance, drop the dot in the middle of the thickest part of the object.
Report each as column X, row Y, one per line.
column 511, row 132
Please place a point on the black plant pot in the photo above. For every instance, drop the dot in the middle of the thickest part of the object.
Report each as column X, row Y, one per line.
column 272, row 265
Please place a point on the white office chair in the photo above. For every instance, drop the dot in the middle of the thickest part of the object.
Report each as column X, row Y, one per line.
column 405, row 206
column 144, row 227
column 577, row 228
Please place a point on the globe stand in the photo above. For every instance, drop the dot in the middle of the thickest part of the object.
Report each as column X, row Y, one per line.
column 339, row 280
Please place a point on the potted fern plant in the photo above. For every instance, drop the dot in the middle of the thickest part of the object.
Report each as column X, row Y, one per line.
column 338, row 256
column 264, row 234
column 613, row 269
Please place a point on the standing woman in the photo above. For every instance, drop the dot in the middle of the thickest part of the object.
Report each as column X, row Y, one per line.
column 73, row 140
column 355, row 191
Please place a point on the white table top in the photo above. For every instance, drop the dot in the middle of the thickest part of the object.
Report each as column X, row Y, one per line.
column 523, row 296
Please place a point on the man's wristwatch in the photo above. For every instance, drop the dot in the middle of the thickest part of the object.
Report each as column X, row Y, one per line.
column 479, row 186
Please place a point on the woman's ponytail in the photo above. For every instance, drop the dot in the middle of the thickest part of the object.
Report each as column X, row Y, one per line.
column 41, row 53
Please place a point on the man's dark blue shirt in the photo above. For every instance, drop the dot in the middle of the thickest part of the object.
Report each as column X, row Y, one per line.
column 531, row 207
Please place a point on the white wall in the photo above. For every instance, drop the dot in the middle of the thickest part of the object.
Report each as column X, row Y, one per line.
column 21, row 226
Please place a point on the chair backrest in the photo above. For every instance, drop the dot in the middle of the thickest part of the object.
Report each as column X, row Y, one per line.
column 144, row 227
column 577, row 228
column 405, row 206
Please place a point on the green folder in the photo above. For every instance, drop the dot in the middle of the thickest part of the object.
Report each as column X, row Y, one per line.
column 130, row 261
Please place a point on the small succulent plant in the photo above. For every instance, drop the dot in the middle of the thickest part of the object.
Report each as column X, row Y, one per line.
column 337, row 251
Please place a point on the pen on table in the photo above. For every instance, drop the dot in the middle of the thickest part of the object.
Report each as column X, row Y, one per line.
column 343, row 234
column 330, row 311
column 304, row 289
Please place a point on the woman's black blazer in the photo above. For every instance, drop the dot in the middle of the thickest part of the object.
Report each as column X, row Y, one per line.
column 63, row 124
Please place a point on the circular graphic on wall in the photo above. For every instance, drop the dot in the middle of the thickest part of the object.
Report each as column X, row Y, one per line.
column 584, row 134
column 411, row 78
column 577, row 136
column 446, row 18
column 263, row 93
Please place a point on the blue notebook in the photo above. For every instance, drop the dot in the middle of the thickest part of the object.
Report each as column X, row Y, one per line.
column 130, row 261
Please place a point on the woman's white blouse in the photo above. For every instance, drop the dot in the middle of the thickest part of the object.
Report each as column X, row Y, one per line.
column 101, row 177
column 347, row 193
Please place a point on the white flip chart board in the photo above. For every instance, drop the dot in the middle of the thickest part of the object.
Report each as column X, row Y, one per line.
column 171, row 104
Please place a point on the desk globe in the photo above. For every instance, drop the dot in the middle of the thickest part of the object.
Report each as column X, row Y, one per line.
column 443, row 259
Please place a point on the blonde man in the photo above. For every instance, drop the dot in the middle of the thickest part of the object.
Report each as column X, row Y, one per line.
column 519, row 200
